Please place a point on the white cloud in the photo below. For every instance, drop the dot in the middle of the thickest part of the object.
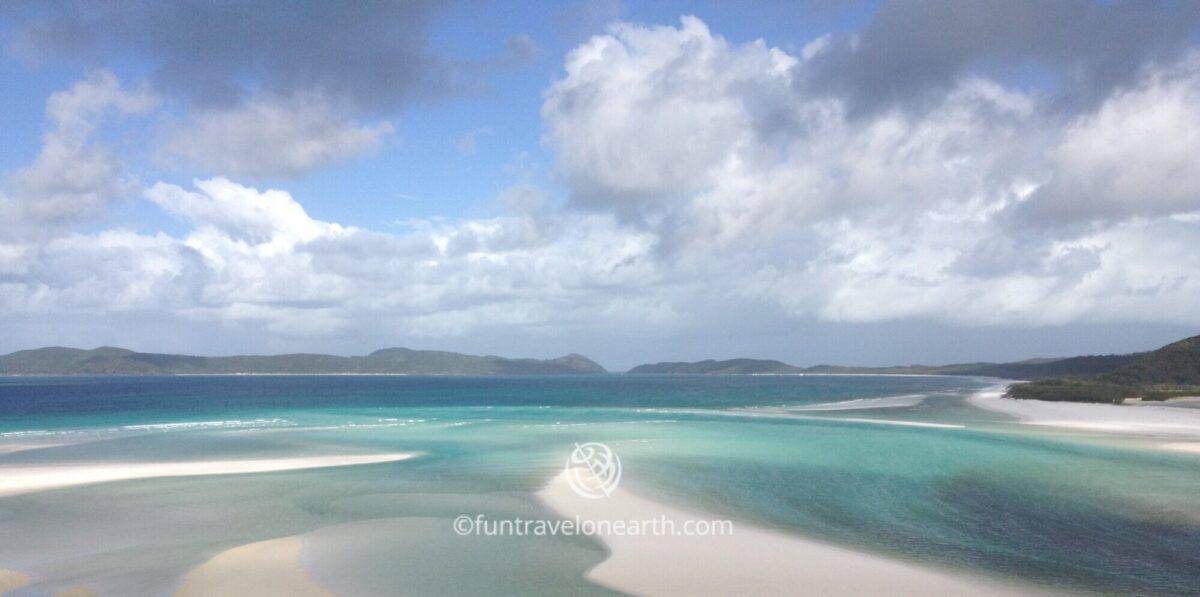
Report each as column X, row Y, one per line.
column 703, row 187
column 646, row 117
column 1138, row 154
column 256, row 257
column 110, row 271
column 242, row 213
column 899, row 214
column 73, row 177
column 274, row 137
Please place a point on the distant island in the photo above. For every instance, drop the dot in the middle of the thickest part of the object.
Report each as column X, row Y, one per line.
column 1028, row 370
column 1171, row 371
column 394, row 361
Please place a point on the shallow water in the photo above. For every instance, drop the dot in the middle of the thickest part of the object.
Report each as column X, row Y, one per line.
column 835, row 458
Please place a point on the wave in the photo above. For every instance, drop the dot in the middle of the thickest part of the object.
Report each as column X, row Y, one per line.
column 902, row 401
column 230, row 424
column 150, row 427
column 787, row 413
column 606, row 423
column 37, row 433
column 893, row 422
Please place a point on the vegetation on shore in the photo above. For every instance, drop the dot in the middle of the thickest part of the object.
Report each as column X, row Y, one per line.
column 1169, row 372
column 1029, row 369
column 1071, row 390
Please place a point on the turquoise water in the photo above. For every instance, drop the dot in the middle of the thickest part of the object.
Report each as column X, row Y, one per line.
column 816, row 456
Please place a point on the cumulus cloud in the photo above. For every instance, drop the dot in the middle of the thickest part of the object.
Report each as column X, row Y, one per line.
column 755, row 181
column 271, row 93
column 73, row 177
column 1138, row 154
column 281, row 137
column 257, row 258
column 651, row 115
column 708, row 183
column 682, row 125
column 241, row 213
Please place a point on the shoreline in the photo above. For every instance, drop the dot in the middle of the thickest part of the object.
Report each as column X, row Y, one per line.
column 750, row 561
column 1148, row 421
column 12, row 448
column 19, row 479
column 270, row 568
column 11, row 580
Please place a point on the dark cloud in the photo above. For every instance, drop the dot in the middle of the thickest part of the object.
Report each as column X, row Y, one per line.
column 373, row 55
column 913, row 50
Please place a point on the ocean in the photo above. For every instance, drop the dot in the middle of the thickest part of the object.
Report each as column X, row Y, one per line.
column 903, row 467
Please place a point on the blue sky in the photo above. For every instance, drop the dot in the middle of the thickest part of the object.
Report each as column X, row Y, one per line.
column 423, row 170
column 818, row 181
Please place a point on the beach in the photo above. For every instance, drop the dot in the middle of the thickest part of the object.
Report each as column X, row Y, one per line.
column 749, row 561
column 15, row 479
column 21, row 447
column 265, row 569
column 1146, row 419
column 11, row 580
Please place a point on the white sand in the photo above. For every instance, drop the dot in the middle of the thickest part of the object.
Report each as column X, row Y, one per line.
column 789, row 413
column 264, row 569
column 11, row 580
column 1141, row 419
column 751, row 561
column 1189, row 447
column 10, row 448
column 896, row 423
column 75, row 591
column 24, row 479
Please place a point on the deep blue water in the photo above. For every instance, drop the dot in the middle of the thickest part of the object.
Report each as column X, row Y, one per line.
column 24, row 397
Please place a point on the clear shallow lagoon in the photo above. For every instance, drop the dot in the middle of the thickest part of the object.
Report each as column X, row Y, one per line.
column 828, row 457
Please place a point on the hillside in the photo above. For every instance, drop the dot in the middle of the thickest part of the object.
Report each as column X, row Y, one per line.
column 1082, row 367
column 1032, row 369
column 711, row 367
column 120, row 361
column 1176, row 363
column 1173, row 370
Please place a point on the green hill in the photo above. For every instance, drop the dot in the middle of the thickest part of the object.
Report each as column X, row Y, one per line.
column 120, row 361
column 1177, row 363
column 1032, row 369
column 1173, row 370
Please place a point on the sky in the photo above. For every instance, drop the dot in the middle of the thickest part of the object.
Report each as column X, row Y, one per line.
column 817, row 182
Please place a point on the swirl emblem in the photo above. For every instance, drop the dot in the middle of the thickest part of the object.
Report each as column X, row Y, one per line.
column 593, row 470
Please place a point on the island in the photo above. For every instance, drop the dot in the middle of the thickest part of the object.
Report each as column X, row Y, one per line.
column 1031, row 369
column 1169, row 372
column 389, row 361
